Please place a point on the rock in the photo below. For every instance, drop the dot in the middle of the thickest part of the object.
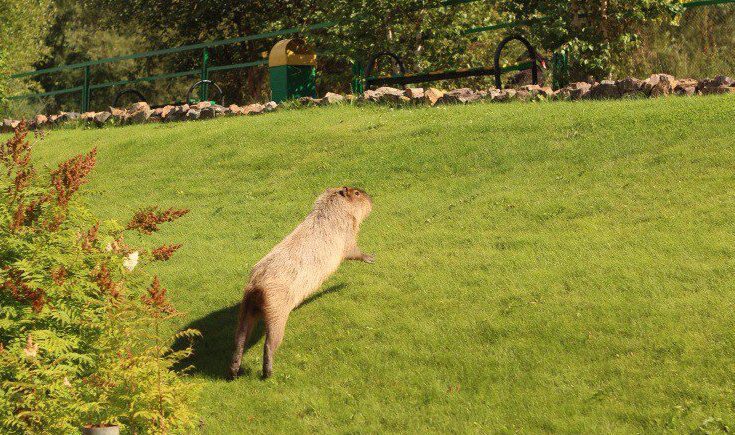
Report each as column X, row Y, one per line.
column 120, row 117
column 717, row 85
column 350, row 98
column 140, row 105
column 206, row 112
column 87, row 116
column 547, row 91
column 686, row 87
column 166, row 111
column 522, row 95
column 309, row 101
column 432, row 96
column 140, row 114
column 605, row 90
column 270, row 106
column 574, row 91
column 370, row 95
column 193, row 114
column 234, row 109
column 331, row 98
column 414, row 94
column 253, row 109
column 461, row 95
column 201, row 105
column 101, row 118
column 718, row 90
column 492, row 94
column 178, row 113
column 67, row 116
column 659, row 85
column 219, row 110
column 40, row 121
column 716, row 82
column 8, row 125
column 537, row 92
column 53, row 118
column 629, row 87
column 504, row 95
column 385, row 94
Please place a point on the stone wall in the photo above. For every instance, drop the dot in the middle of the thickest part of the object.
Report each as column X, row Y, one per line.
column 657, row 85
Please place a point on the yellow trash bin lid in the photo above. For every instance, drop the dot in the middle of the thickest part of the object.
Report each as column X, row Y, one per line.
column 291, row 52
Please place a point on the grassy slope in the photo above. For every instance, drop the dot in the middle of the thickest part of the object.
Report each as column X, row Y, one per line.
column 540, row 267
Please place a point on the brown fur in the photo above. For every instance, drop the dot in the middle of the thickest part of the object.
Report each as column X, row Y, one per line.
column 296, row 267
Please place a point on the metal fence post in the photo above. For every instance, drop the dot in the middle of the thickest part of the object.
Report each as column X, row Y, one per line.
column 560, row 69
column 358, row 76
column 85, row 90
column 204, row 89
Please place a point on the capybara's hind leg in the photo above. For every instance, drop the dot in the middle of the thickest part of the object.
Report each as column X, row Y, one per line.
column 247, row 319
column 275, row 326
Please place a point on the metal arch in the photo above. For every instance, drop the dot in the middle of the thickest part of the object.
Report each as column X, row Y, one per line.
column 531, row 53
column 141, row 97
column 208, row 82
column 374, row 59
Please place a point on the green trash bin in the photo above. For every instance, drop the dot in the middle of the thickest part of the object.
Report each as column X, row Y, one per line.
column 292, row 69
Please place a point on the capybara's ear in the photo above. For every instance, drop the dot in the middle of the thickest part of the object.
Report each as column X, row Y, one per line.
column 347, row 192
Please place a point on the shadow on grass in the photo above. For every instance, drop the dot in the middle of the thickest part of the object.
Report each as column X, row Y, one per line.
column 213, row 350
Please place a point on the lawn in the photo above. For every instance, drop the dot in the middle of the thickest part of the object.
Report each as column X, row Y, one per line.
column 561, row 267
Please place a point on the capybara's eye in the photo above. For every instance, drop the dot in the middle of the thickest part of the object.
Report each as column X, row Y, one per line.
column 357, row 193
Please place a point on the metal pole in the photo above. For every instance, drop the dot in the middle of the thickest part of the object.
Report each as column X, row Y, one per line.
column 85, row 90
column 204, row 89
column 358, row 74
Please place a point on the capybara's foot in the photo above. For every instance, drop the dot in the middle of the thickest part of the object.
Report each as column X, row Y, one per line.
column 232, row 374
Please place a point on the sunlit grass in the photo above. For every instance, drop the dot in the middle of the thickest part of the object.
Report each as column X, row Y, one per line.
column 540, row 267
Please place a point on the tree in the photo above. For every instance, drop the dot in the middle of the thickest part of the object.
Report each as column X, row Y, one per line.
column 599, row 33
column 23, row 23
column 423, row 33
column 76, row 35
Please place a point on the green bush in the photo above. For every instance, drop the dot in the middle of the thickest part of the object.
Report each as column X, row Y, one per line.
column 81, row 323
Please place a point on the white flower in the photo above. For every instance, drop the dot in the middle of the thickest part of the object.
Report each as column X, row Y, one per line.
column 31, row 349
column 130, row 261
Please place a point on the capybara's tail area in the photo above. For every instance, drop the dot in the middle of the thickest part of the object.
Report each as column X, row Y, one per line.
column 250, row 309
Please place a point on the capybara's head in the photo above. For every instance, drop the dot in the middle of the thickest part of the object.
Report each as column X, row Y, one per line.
column 356, row 202
column 358, row 199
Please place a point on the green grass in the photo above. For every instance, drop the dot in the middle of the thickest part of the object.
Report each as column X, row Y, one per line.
column 561, row 267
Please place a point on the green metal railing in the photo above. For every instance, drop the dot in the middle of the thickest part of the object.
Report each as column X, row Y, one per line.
column 87, row 86
column 202, row 72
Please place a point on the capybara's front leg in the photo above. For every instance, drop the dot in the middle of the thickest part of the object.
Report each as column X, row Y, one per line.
column 356, row 254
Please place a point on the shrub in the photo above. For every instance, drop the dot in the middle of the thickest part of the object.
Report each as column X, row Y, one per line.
column 81, row 323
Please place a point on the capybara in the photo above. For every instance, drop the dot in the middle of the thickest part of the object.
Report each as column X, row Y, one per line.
column 296, row 267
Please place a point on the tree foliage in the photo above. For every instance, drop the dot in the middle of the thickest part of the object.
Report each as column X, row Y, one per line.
column 426, row 38
column 601, row 35
column 23, row 24
column 598, row 33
